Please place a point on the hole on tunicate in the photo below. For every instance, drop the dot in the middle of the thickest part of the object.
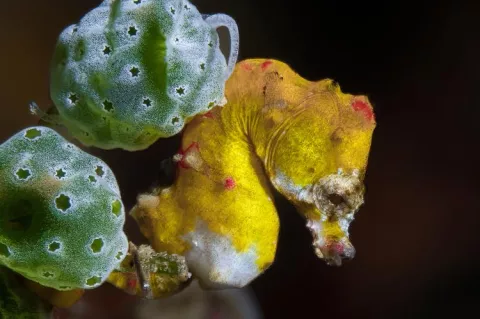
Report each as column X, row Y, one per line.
column 33, row 133
column 119, row 255
column 134, row 71
column 180, row 91
column 172, row 10
column 60, row 173
column 132, row 31
column 4, row 251
column 107, row 50
column 92, row 179
column 73, row 98
column 23, row 174
column 75, row 30
column 211, row 104
column 104, row 118
column 116, row 207
column 93, row 281
column 86, row 134
column 48, row 274
column 147, row 102
column 176, row 40
column 97, row 245
column 65, row 287
column 175, row 120
column 202, row 66
column 53, row 247
column 137, row 1
column 210, row 44
column 186, row 7
column 99, row 170
column 108, row 106
column 63, row 202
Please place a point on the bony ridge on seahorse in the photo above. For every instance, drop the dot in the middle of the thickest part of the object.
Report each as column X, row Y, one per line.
column 307, row 139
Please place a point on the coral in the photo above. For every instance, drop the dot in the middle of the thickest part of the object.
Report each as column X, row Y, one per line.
column 307, row 139
column 133, row 71
column 18, row 302
column 149, row 274
column 61, row 215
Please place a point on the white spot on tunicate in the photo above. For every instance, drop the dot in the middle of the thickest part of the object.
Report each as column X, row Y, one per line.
column 214, row 260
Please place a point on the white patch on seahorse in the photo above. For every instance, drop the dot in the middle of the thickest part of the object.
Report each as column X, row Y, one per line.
column 285, row 184
column 316, row 228
column 344, row 222
column 216, row 263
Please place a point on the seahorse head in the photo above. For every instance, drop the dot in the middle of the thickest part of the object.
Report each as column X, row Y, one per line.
column 320, row 161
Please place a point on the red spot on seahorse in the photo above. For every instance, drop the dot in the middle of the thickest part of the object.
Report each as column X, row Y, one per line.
column 182, row 153
column 363, row 107
column 338, row 248
column 229, row 183
column 265, row 65
column 132, row 283
column 247, row 66
column 209, row 115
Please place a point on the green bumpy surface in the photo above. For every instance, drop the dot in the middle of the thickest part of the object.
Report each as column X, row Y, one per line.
column 133, row 71
column 17, row 302
column 61, row 215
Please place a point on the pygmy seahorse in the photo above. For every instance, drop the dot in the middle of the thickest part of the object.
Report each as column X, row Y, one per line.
column 307, row 139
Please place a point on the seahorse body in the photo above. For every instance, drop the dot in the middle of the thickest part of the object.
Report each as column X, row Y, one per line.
column 307, row 139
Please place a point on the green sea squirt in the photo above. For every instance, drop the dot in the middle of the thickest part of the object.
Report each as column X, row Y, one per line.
column 133, row 71
column 61, row 214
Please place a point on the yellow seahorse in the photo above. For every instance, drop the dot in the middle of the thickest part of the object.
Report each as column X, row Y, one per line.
column 307, row 139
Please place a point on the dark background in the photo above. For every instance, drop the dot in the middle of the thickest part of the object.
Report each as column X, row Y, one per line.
column 419, row 63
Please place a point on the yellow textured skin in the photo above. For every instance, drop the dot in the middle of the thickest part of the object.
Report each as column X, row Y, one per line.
column 277, row 128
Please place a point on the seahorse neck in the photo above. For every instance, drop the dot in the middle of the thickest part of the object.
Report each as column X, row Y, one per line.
column 265, row 134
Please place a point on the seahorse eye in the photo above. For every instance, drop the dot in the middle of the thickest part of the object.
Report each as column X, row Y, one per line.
column 336, row 199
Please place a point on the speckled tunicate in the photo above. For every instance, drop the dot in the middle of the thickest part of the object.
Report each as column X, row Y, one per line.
column 61, row 214
column 17, row 302
column 133, row 71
